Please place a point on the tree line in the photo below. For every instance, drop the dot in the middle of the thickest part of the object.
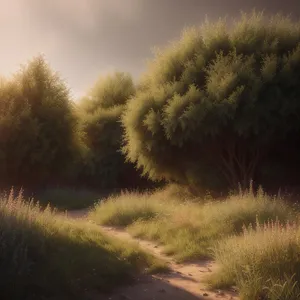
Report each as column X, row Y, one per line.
column 216, row 109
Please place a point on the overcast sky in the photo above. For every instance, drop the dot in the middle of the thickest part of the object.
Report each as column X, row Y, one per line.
column 85, row 38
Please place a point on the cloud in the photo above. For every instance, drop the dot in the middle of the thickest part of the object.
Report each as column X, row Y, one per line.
column 84, row 15
column 21, row 38
column 78, row 37
column 83, row 38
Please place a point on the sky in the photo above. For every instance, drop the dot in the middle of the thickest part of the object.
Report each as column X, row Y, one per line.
column 82, row 39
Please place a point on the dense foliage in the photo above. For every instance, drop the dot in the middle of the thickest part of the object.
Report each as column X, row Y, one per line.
column 215, row 109
column 216, row 103
column 37, row 127
column 100, row 113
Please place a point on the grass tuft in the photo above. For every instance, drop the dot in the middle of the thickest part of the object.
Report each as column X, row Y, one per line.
column 120, row 211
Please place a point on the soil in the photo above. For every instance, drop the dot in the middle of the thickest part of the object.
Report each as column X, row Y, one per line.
column 184, row 281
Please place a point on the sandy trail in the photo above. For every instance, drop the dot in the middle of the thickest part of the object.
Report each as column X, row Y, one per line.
column 184, row 281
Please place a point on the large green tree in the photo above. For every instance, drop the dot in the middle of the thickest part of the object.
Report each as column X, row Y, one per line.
column 100, row 113
column 213, row 105
column 38, row 127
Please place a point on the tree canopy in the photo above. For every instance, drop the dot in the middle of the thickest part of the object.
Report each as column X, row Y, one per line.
column 212, row 105
column 100, row 114
column 38, row 127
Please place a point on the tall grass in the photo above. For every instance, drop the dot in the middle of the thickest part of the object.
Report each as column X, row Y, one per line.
column 188, row 229
column 44, row 256
column 128, row 207
column 125, row 209
column 264, row 262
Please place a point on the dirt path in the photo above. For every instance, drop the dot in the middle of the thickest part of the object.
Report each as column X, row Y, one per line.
column 185, row 281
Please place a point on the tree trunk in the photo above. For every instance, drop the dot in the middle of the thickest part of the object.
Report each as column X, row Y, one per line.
column 238, row 165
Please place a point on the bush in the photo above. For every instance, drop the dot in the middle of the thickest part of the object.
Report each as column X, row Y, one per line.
column 100, row 113
column 38, row 127
column 215, row 104
column 68, row 198
column 46, row 256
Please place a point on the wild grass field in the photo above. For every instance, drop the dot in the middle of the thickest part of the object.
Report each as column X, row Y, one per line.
column 43, row 255
column 252, row 236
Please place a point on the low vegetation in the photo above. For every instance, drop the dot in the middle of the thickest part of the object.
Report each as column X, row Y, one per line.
column 264, row 262
column 188, row 228
column 125, row 209
column 253, row 237
column 45, row 256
